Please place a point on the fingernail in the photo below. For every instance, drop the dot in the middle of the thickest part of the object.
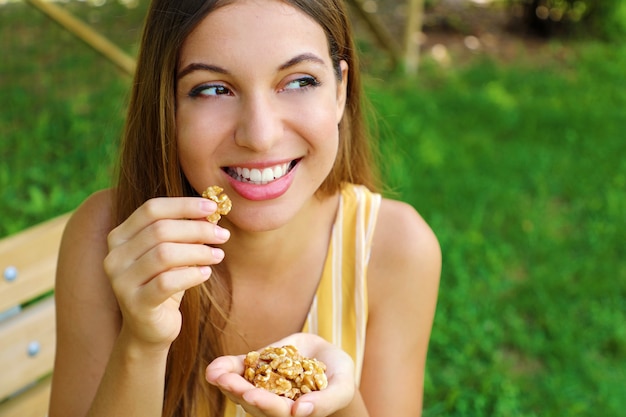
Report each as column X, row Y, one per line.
column 218, row 254
column 222, row 233
column 208, row 206
column 205, row 271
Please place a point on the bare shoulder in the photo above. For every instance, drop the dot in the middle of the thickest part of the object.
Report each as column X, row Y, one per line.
column 404, row 271
column 84, row 246
column 405, row 250
column 403, row 283
column 93, row 217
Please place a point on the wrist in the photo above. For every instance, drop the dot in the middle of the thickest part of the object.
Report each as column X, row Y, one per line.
column 137, row 350
column 355, row 408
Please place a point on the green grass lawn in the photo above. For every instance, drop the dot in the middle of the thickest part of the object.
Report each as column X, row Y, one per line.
column 520, row 170
column 518, row 167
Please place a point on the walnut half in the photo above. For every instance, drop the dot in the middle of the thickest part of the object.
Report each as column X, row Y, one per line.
column 284, row 371
column 224, row 204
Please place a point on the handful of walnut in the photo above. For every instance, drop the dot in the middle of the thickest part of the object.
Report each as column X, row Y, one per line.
column 284, row 371
column 224, row 204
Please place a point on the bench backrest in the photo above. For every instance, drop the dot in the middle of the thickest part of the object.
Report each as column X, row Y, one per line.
column 27, row 321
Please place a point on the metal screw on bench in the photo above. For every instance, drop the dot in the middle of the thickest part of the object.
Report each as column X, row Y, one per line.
column 33, row 348
column 10, row 273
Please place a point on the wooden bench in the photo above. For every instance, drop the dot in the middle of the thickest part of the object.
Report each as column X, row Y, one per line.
column 27, row 319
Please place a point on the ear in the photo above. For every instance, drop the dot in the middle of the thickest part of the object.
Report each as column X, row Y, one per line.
column 342, row 90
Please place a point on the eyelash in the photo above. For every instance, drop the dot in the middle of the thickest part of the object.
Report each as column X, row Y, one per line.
column 304, row 83
column 197, row 91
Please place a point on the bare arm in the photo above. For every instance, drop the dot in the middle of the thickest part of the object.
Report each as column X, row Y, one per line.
column 403, row 278
column 88, row 319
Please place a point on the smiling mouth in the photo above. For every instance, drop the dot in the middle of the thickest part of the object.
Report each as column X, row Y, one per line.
column 261, row 176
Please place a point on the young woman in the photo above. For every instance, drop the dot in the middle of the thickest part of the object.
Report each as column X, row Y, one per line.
column 156, row 305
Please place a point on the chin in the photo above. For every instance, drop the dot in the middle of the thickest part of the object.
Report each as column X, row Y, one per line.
column 261, row 220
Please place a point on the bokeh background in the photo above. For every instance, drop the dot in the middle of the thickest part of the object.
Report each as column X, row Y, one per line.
column 509, row 139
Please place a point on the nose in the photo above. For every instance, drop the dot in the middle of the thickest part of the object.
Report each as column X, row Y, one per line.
column 259, row 125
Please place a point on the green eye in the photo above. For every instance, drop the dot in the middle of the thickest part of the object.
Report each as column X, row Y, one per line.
column 209, row 90
column 303, row 82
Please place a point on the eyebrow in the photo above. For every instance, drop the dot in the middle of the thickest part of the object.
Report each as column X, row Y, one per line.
column 306, row 57
column 197, row 66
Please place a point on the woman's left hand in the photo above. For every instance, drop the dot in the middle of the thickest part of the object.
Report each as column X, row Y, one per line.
column 226, row 373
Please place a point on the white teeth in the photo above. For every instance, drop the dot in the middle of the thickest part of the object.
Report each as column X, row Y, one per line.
column 255, row 175
column 278, row 171
column 259, row 176
column 268, row 175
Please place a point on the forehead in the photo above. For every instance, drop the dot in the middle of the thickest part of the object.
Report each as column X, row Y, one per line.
column 255, row 29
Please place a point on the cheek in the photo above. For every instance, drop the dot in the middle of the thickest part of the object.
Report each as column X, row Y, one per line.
column 320, row 118
column 327, row 129
column 197, row 139
column 319, row 128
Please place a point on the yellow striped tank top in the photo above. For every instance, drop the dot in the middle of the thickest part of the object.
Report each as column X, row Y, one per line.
column 339, row 309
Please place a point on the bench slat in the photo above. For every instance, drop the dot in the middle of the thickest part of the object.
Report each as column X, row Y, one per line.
column 34, row 324
column 33, row 254
column 33, row 403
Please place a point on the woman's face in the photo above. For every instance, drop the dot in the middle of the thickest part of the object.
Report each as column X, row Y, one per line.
column 258, row 105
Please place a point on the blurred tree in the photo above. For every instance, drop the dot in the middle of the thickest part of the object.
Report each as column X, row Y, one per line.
column 379, row 30
column 601, row 18
column 413, row 35
column 387, row 32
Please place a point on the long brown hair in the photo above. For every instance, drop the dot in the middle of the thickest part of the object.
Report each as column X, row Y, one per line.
column 149, row 167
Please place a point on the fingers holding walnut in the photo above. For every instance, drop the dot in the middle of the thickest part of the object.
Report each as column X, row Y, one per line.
column 224, row 204
column 284, row 371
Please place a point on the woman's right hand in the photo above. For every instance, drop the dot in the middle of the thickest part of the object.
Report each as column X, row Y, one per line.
column 158, row 253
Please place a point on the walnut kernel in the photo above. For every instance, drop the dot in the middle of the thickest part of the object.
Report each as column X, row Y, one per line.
column 224, row 204
column 284, row 371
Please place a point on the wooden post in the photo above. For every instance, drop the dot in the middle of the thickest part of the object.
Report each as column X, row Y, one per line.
column 380, row 32
column 87, row 35
column 413, row 36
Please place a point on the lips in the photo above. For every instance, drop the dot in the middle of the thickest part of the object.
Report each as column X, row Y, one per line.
column 262, row 183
